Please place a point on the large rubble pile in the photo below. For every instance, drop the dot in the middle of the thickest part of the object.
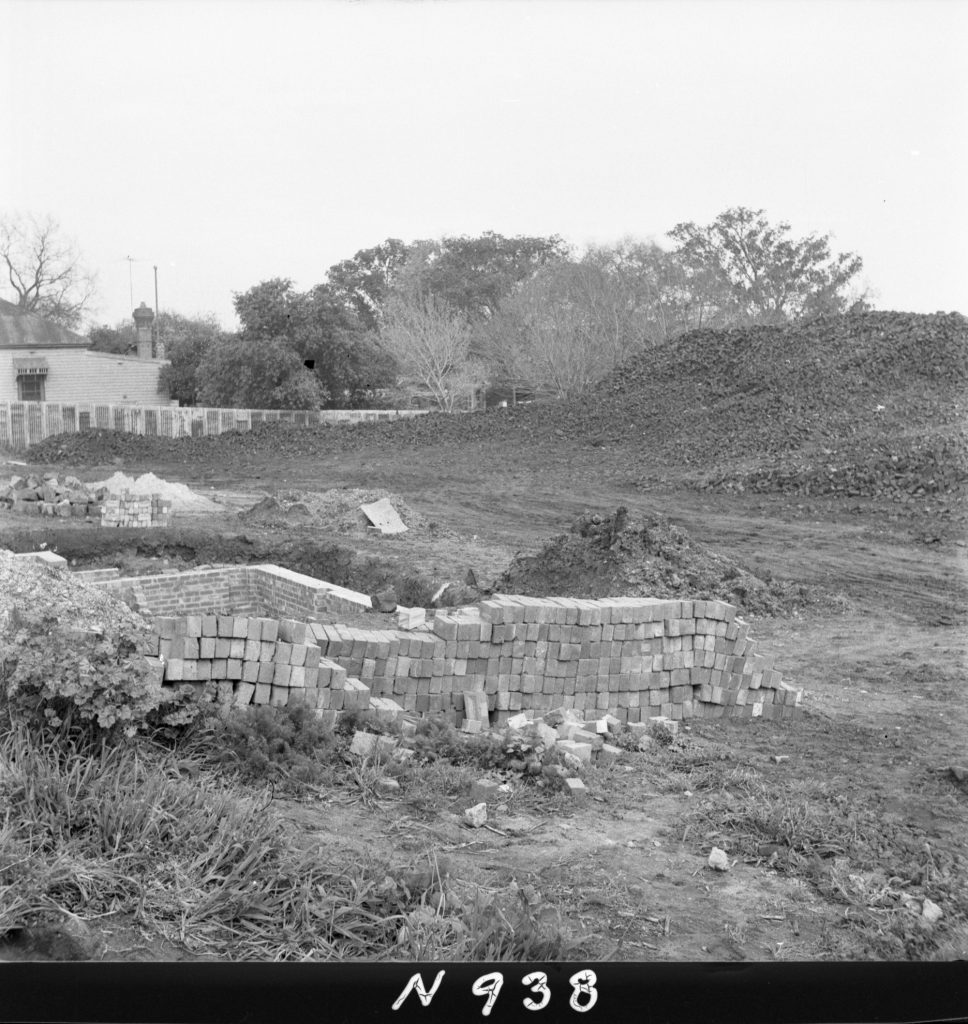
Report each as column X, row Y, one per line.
column 644, row 556
column 856, row 384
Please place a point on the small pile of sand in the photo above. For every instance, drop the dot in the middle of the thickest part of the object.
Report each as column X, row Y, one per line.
column 182, row 498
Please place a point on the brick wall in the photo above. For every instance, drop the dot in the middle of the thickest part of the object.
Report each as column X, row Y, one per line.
column 239, row 589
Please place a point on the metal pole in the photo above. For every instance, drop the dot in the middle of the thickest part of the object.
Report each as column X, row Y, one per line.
column 157, row 324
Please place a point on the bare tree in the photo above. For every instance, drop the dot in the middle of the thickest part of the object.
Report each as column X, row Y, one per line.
column 44, row 269
column 430, row 342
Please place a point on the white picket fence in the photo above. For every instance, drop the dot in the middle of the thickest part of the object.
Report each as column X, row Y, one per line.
column 25, row 423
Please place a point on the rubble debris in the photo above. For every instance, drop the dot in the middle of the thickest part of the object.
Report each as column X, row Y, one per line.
column 476, row 816
column 384, row 600
column 644, row 555
column 383, row 516
column 931, row 912
column 718, row 859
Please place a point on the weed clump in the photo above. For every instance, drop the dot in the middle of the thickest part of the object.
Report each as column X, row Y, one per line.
column 287, row 746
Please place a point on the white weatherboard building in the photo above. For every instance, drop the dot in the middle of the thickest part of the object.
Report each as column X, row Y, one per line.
column 43, row 362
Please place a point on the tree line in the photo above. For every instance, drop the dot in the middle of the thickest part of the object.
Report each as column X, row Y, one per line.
column 450, row 317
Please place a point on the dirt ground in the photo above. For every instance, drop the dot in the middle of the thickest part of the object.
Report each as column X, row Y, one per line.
column 884, row 713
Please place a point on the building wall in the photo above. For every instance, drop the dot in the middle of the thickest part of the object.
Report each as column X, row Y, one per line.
column 79, row 375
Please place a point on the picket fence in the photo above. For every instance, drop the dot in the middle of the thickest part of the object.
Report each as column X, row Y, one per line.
column 25, row 423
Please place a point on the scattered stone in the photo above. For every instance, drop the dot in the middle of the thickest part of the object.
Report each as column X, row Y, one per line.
column 718, row 860
column 485, row 790
column 931, row 912
column 609, row 753
column 780, row 758
column 384, row 600
column 364, row 743
column 519, row 721
column 472, row 725
column 476, row 816
column 387, row 786
column 576, row 789
column 583, row 751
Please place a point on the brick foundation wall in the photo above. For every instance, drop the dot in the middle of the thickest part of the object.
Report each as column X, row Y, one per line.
column 239, row 589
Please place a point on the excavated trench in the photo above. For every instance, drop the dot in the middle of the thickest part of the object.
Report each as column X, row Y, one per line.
column 137, row 552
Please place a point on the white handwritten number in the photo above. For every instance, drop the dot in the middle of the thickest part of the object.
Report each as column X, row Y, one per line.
column 583, row 984
column 488, row 985
column 416, row 984
column 538, row 983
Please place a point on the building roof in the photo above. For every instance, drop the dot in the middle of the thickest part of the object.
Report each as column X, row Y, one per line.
column 27, row 330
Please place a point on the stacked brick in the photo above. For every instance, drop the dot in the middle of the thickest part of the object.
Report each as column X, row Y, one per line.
column 241, row 660
column 638, row 658
column 135, row 510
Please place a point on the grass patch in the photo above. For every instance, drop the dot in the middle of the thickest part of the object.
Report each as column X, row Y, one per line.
column 200, row 859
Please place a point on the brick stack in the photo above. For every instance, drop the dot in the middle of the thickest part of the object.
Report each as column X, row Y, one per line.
column 135, row 510
column 242, row 660
column 637, row 658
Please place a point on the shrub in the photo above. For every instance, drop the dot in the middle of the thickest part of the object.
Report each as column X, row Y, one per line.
column 288, row 746
column 92, row 680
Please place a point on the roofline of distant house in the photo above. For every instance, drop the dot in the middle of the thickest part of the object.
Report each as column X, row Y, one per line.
column 41, row 347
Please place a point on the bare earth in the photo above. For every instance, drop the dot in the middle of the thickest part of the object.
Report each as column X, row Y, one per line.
column 884, row 716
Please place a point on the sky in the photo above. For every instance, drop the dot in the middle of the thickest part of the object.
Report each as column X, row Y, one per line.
column 232, row 141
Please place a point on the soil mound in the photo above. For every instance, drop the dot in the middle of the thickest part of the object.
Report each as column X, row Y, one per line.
column 337, row 510
column 771, row 400
column 645, row 556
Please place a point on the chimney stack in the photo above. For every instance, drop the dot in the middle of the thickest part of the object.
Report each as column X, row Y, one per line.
column 143, row 318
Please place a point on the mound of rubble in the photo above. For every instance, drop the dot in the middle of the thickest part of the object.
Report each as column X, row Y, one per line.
column 47, row 495
column 644, row 556
column 905, row 470
column 337, row 509
column 854, row 384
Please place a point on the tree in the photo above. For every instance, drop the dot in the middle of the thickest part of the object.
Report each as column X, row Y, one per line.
column 430, row 343
column 323, row 332
column 562, row 329
column 256, row 374
column 185, row 342
column 765, row 275
column 44, row 269
column 364, row 282
column 117, row 340
column 474, row 274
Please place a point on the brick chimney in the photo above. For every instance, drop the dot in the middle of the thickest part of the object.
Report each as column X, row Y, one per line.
column 143, row 319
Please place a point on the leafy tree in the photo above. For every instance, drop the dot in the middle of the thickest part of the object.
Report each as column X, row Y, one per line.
column 764, row 274
column 185, row 342
column 322, row 331
column 473, row 275
column 256, row 373
column 470, row 274
column 44, row 270
column 118, row 340
column 430, row 343
column 364, row 282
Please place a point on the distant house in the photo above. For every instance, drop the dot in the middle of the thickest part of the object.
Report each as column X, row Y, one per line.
column 43, row 362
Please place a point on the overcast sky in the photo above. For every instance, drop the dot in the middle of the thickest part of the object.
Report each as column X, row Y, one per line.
column 229, row 142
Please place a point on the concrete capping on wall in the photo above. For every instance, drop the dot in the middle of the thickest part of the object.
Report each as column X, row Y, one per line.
column 25, row 423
